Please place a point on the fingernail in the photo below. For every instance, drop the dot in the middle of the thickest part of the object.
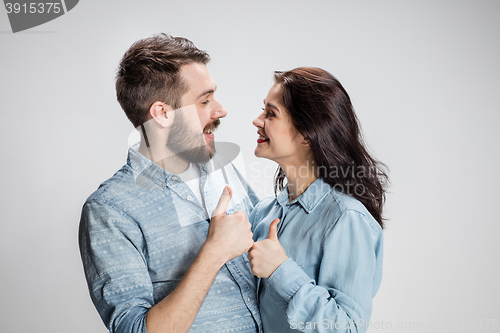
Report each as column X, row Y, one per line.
column 226, row 191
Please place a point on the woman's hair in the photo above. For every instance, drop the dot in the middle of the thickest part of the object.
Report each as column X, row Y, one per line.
column 321, row 110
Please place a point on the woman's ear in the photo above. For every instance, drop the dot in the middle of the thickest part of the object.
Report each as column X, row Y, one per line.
column 158, row 111
column 305, row 141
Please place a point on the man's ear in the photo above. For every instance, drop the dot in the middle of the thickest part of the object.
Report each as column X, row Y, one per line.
column 158, row 111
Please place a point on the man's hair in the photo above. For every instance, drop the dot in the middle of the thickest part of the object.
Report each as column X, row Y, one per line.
column 150, row 72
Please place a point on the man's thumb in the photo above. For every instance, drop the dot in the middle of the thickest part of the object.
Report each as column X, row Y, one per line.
column 273, row 230
column 223, row 202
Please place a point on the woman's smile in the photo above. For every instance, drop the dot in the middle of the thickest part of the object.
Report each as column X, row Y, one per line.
column 262, row 138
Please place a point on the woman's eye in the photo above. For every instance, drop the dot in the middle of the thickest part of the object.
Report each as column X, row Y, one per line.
column 205, row 102
column 269, row 114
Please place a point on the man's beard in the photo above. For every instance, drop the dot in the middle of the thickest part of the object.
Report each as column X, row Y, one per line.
column 189, row 145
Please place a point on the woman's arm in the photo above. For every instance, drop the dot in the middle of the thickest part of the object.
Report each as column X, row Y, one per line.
column 349, row 276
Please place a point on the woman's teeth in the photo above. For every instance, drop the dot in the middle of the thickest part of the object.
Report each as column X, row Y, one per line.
column 263, row 138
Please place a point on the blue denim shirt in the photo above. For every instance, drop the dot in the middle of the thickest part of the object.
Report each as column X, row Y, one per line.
column 140, row 232
column 334, row 268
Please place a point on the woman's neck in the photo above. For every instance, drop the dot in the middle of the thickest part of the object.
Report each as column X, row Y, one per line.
column 299, row 177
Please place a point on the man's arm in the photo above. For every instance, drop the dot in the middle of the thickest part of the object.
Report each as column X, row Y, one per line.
column 118, row 277
column 229, row 236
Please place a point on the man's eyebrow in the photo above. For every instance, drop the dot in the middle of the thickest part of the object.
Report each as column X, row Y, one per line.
column 207, row 92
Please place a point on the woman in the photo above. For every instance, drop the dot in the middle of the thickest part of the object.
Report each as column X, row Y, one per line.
column 318, row 248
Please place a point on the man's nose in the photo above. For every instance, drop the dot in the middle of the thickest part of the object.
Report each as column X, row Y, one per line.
column 220, row 111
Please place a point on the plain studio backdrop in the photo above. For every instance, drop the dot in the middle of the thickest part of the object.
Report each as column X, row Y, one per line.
column 424, row 78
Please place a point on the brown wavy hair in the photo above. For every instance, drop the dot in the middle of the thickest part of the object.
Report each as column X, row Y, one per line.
column 321, row 110
column 150, row 71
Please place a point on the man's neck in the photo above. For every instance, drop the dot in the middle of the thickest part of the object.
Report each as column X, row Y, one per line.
column 164, row 158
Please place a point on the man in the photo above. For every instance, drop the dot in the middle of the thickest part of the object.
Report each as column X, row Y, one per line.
column 153, row 257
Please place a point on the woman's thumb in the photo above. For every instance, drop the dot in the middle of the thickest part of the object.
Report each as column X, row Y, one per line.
column 273, row 230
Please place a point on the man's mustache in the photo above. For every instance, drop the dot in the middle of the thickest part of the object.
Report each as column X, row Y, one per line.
column 212, row 126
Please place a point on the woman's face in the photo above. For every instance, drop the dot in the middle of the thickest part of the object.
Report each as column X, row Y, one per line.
column 278, row 139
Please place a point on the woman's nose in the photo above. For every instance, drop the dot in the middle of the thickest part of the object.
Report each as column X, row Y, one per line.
column 258, row 122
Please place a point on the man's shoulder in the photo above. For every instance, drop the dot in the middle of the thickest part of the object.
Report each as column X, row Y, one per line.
column 115, row 186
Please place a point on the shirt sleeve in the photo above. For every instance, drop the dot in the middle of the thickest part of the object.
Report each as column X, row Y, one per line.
column 349, row 276
column 115, row 268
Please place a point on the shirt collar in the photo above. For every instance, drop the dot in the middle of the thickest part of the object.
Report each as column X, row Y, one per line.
column 311, row 197
column 146, row 171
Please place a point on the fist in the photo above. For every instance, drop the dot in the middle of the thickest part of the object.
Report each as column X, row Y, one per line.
column 268, row 254
column 229, row 235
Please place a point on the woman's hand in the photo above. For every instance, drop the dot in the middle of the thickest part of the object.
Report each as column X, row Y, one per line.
column 268, row 254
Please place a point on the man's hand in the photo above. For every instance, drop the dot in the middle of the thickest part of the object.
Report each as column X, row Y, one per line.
column 268, row 254
column 228, row 235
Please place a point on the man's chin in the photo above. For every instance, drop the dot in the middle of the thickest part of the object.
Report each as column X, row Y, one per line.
column 211, row 149
column 201, row 154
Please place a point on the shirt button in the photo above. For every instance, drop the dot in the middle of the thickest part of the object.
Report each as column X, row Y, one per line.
column 248, row 299
column 174, row 178
column 238, row 206
column 189, row 198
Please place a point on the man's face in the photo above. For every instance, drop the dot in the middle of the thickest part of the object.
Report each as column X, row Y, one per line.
column 186, row 138
column 201, row 89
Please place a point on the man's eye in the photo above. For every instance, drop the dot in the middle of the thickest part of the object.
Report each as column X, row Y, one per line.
column 205, row 102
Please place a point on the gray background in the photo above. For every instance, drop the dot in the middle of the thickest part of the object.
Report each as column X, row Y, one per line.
column 423, row 77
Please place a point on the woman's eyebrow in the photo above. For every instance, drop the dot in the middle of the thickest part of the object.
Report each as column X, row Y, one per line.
column 272, row 106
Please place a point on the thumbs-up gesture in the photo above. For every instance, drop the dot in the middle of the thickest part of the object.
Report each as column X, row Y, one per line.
column 268, row 254
column 229, row 236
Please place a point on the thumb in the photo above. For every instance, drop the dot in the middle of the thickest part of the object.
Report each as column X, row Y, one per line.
column 223, row 202
column 273, row 232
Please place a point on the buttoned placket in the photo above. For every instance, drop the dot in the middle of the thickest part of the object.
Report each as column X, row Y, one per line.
column 179, row 187
column 285, row 206
column 231, row 265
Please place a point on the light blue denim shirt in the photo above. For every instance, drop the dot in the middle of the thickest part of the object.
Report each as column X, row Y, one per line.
column 334, row 268
column 140, row 232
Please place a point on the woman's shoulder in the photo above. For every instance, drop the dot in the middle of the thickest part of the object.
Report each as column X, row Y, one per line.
column 267, row 201
column 346, row 202
column 265, row 205
column 350, row 208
